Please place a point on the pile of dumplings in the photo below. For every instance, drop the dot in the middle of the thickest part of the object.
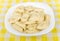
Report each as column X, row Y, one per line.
column 28, row 19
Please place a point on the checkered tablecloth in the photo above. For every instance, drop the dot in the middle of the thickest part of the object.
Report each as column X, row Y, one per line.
column 54, row 35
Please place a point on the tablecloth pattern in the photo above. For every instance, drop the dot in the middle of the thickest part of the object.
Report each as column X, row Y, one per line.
column 54, row 35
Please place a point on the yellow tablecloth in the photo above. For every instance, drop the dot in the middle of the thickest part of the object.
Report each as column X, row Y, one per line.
column 54, row 35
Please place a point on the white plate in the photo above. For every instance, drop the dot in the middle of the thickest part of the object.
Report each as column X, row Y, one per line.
column 47, row 10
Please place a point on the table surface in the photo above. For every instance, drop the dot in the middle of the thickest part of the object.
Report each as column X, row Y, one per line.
column 54, row 35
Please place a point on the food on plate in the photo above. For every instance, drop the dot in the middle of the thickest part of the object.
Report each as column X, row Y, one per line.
column 28, row 19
